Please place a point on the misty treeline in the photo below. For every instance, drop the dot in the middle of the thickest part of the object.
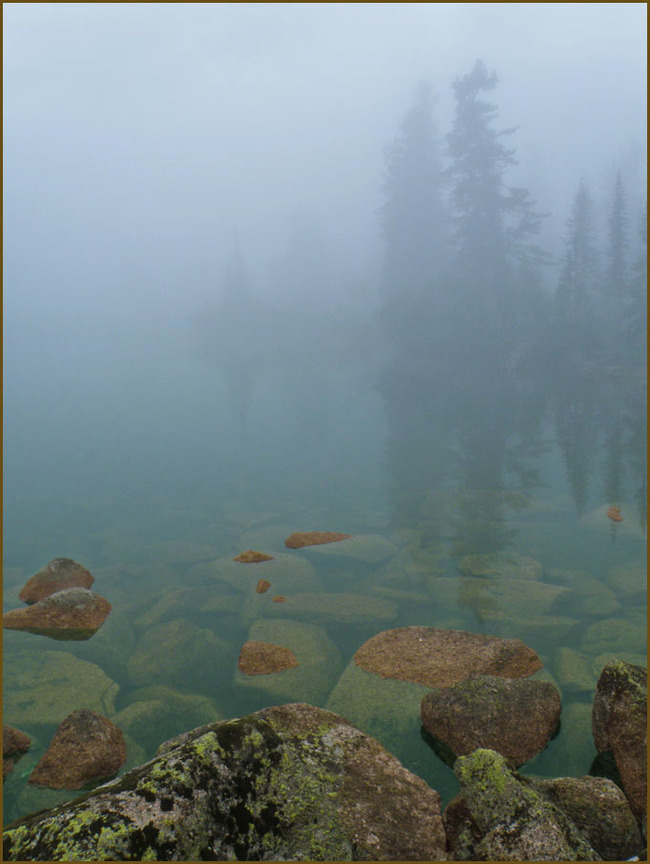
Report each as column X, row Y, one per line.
column 472, row 334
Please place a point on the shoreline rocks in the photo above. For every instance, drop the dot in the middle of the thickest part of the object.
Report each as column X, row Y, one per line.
column 289, row 782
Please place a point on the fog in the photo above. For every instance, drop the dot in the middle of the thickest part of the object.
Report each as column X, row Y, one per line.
column 195, row 263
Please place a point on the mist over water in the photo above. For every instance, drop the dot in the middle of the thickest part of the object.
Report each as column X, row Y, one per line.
column 254, row 283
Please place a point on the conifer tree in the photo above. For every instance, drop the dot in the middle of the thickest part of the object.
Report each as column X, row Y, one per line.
column 578, row 275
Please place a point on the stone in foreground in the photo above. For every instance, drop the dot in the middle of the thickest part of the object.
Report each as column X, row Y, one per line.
column 437, row 657
column 499, row 816
column 287, row 783
column 516, row 717
column 85, row 747
column 619, row 725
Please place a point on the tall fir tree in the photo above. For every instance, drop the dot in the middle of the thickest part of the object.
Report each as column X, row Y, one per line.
column 413, row 216
column 494, row 223
column 616, row 274
column 577, row 285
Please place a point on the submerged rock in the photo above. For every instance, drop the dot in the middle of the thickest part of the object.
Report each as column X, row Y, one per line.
column 619, row 724
column 250, row 556
column 14, row 744
column 334, row 608
column 263, row 658
column 289, row 783
column 501, row 565
column 317, row 661
column 42, row 687
column 59, row 574
column 499, row 816
column 367, row 548
column 437, row 658
column 71, row 614
column 313, row 538
column 85, row 747
column 516, row 717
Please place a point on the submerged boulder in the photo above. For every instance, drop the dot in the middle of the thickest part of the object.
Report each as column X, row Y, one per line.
column 313, row 538
column 514, row 717
column 71, row 614
column 437, row 657
column 289, row 783
column 59, row 574
column 85, row 747
column 264, row 658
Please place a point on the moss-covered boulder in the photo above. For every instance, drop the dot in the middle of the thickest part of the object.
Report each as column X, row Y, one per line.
column 499, row 816
column 619, row 724
column 288, row 783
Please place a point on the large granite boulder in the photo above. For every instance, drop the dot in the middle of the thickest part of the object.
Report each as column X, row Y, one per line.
column 516, row 717
column 74, row 613
column 619, row 725
column 599, row 810
column 499, row 816
column 59, row 574
column 85, row 747
column 288, row 783
column 437, row 657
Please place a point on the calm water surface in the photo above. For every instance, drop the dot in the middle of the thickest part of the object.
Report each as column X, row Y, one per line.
column 158, row 511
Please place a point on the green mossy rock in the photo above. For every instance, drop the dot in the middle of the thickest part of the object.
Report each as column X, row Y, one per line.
column 501, row 817
column 288, row 783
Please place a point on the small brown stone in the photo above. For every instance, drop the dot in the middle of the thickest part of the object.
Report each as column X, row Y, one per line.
column 75, row 613
column 279, row 599
column 85, row 747
column 262, row 586
column 252, row 557
column 313, row 538
column 437, row 657
column 14, row 744
column 263, row 658
column 59, row 574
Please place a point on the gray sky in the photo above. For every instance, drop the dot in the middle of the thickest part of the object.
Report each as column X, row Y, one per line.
column 138, row 137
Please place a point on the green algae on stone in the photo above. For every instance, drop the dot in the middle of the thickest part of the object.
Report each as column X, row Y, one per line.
column 513, row 820
column 288, row 783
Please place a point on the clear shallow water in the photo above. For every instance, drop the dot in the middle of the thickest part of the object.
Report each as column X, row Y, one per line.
column 484, row 468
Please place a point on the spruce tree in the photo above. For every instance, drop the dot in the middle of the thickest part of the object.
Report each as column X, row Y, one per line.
column 413, row 216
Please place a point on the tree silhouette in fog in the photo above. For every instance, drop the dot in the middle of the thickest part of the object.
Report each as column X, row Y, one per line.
column 413, row 216
column 494, row 223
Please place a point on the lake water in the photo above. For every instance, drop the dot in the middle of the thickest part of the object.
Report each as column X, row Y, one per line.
column 157, row 495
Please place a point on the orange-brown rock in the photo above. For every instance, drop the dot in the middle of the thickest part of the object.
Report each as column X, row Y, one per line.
column 279, row 599
column 263, row 658
column 85, row 747
column 614, row 513
column 262, row 586
column 14, row 744
column 59, row 574
column 437, row 657
column 252, row 557
column 313, row 538
column 75, row 613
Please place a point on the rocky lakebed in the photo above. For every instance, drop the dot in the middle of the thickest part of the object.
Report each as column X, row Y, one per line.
column 308, row 770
